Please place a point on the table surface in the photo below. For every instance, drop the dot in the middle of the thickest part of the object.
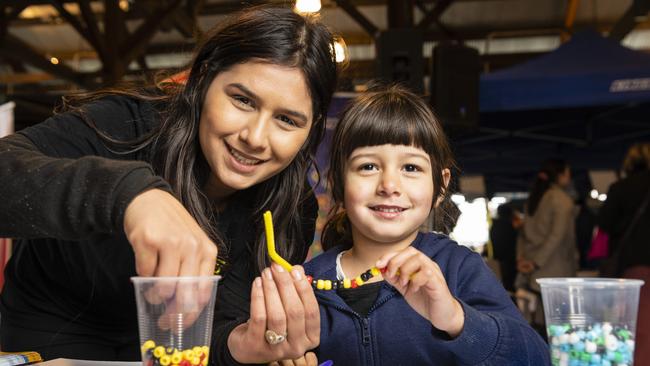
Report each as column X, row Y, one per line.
column 73, row 362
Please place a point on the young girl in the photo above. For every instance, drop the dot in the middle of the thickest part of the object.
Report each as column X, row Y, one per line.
column 397, row 296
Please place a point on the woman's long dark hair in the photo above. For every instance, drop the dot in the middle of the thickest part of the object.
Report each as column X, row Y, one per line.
column 276, row 35
column 387, row 114
column 548, row 175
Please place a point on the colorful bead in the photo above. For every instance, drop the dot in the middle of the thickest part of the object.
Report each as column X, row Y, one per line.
column 153, row 355
column 148, row 345
column 383, row 270
column 359, row 281
column 159, row 351
column 598, row 344
column 188, row 354
column 177, row 357
column 165, row 360
column 346, row 282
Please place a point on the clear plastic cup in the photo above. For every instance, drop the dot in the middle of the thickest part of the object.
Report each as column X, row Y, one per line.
column 591, row 321
column 175, row 319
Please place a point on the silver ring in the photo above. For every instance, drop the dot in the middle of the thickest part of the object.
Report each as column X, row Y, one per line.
column 274, row 338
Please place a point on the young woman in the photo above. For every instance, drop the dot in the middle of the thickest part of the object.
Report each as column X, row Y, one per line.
column 159, row 182
column 389, row 294
column 546, row 246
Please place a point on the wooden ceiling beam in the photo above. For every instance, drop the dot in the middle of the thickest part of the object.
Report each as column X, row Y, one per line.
column 434, row 14
column 358, row 17
column 16, row 49
column 636, row 13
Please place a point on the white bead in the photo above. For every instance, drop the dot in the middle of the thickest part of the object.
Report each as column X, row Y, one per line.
column 611, row 343
column 590, row 347
column 574, row 338
column 607, row 328
column 564, row 339
column 630, row 344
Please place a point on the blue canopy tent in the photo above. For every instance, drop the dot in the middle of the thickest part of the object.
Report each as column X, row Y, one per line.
column 587, row 101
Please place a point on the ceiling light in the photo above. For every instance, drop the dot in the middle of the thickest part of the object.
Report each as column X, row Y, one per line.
column 307, row 6
column 54, row 60
column 340, row 50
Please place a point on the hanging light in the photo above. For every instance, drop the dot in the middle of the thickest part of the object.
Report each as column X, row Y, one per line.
column 54, row 60
column 340, row 50
column 124, row 5
column 307, row 6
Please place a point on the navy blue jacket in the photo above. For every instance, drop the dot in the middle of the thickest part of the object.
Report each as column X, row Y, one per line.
column 494, row 333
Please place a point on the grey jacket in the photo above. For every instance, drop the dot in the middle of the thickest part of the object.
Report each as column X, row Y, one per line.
column 548, row 237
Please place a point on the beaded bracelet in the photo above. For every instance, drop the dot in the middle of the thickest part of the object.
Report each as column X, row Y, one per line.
column 317, row 284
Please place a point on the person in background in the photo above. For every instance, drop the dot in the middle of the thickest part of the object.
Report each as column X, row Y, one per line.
column 546, row 245
column 159, row 182
column 623, row 201
column 389, row 294
column 503, row 235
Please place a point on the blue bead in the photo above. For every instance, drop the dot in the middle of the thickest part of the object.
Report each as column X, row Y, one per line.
column 580, row 346
column 595, row 358
column 606, row 363
column 564, row 348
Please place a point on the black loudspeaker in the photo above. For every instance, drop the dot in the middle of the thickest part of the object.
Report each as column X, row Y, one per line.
column 399, row 58
column 455, row 71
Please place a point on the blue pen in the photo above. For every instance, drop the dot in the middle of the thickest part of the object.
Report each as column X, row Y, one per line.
column 327, row 363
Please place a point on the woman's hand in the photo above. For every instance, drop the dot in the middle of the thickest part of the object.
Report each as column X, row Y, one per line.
column 166, row 239
column 285, row 304
column 423, row 285
column 309, row 359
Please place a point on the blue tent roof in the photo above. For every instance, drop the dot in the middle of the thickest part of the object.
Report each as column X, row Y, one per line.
column 588, row 70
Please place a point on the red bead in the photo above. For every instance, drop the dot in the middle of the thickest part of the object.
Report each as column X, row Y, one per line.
column 353, row 283
column 185, row 363
column 383, row 270
column 309, row 279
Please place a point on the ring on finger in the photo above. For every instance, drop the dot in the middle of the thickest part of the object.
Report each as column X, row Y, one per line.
column 274, row 338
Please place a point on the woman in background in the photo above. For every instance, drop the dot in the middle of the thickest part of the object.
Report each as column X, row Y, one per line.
column 623, row 201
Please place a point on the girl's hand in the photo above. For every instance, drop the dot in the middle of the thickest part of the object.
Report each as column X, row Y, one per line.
column 284, row 303
column 422, row 284
column 309, row 359
column 166, row 239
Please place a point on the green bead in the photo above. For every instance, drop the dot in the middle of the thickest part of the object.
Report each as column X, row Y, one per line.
column 618, row 357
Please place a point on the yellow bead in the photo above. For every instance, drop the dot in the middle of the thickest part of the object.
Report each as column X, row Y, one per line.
column 159, row 351
column 205, row 361
column 359, row 281
column 197, row 350
column 188, row 354
column 195, row 360
column 328, row 285
column 320, row 284
column 374, row 271
column 165, row 360
column 177, row 357
column 347, row 283
column 205, row 350
column 148, row 345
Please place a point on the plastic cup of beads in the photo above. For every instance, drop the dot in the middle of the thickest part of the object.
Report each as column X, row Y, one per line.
column 175, row 319
column 591, row 321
